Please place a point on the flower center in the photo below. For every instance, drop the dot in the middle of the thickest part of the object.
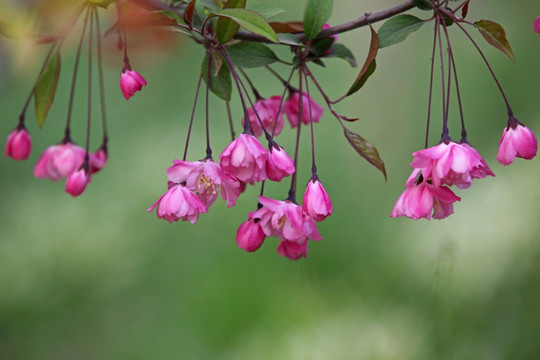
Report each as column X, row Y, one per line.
column 208, row 185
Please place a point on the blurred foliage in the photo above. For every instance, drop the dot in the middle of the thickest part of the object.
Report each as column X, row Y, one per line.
column 97, row 277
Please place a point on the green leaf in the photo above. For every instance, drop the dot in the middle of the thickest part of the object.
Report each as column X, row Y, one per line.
column 342, row 52
column 397, row 29
column 365, row 149
column 322, row 46
column 316, row 14
column 496, row 36
column 289, row 39
column 220, row 85
column 423, row 4
column 268, row 11
column 249, row 20
column 227, row 28
column 45, row 88
column 369, row 65
column 251, row 54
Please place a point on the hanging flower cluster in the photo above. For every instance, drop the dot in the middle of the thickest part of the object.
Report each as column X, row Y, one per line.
column 254, row 156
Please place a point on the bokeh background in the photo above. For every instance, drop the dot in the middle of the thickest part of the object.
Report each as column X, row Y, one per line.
column 97, row 277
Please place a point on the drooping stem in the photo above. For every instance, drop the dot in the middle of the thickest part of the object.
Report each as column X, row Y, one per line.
column 431, row 85
column 229, row 115
column 325, row 97
column 282, row 100
column 208, row 148
column 313, row 166
column 89, row 120
column 292, row 190
column 192, row 117
column 247, row 123
column 67, row 136
column 445, row 119
column 127, row 65
column 460, row 106
column 253, row 89
column 101, row 84
column 509, row 109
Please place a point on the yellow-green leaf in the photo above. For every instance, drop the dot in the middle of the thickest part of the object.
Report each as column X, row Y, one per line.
column 45, row 88
column 496, row 36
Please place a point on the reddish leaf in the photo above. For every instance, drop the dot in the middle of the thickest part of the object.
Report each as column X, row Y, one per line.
column 189, row 12
column 465, row 10
column 343, row 117
column 365, row 149
column 496, row 36
column 369, row 65
column 141, row 20
column 292, row 27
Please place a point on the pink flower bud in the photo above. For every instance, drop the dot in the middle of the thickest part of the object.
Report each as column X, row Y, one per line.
column 316, row 202
column 178, row 203
column 278, row 164
column 58, row 161
column 131, row 82
column 292, row 109
column 250, row 235
column 519, row 141
column 244, row 159
column 19, row 144
column 77, row 181
column 537, row 25
column 292, row 250
column 98, row 160
column 267, row 109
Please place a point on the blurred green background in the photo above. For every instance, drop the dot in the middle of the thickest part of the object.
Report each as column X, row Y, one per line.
column 97, row 277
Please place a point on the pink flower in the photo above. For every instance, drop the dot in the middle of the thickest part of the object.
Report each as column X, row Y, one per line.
column 518, row 141
column 58, row 161
column 292, row 108
column 97, row 160
column 286, row 221
column 268, row 110
column 278, row 164
column 178, row 203
column 316, row 202
column 292, row 250
column 231, row 189
column 537, row 25
column 77, row 181
column 335, row 37
column 244, row 159
column 131, row 82
column 19, row 144
column 421, row 198
column 451, row 163
column 203, row 177
column 250, row 235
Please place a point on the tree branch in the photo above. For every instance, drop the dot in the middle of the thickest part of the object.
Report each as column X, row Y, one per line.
column 364, row 20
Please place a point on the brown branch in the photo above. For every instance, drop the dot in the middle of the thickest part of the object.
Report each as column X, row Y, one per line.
column 364, row 20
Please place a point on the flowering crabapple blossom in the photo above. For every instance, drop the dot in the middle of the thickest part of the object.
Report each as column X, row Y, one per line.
column 292, row 250
column 19, row 144
column 203, row 177
column 231, row 189
column 451, row 163
column 178, row 203
column 268, row 110
column 59, row 161
column 76, row 182
column 244, row 159
column 422, row 198
column 518, row 141
column 286, row 221
column 131, row 82
column 537, row 25
column 316, row 202
column 278, row 163
column 250, row 235
column 291, row 109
